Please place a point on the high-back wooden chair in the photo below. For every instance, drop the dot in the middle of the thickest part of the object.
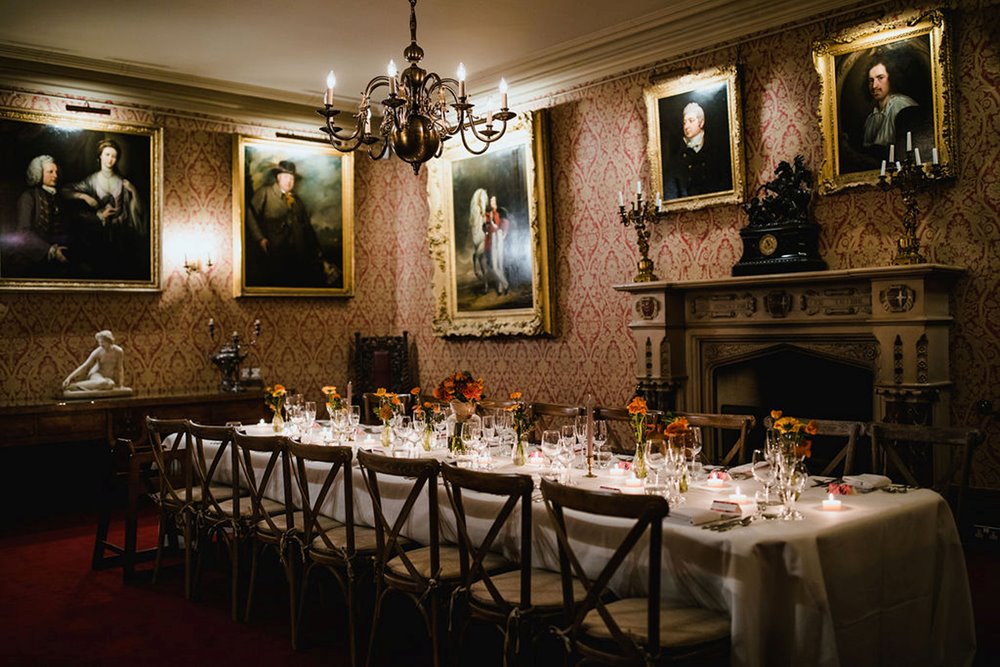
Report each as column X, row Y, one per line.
column 341, row 548
column 914, row 455
column 517, row 601
column 272, row 520
column 426, row 575
column 170, row 443
column 628, row 631
column 219, row 515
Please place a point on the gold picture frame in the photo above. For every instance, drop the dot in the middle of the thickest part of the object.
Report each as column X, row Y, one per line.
column 292, row 236
column 79, row 203
column 696, row 139
column 914, row 54
column 490, row 237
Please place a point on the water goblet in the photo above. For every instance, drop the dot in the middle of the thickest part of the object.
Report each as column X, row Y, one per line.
column 656, row 457
column 600, row 437
column 489, row 426
column 566, row 455
column 550, row 447
column 309, row 414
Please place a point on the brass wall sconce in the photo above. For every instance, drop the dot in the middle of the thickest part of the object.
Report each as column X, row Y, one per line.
column 195, row 265
column 641, row 215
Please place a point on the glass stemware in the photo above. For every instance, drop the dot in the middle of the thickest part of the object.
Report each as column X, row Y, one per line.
column 308, row 415
column 550, row 447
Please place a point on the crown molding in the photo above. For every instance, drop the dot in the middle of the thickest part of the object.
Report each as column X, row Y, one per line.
column 645, row 41
column 677, row 30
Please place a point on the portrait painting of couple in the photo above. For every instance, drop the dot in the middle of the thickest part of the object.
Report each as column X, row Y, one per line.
column 78, row 206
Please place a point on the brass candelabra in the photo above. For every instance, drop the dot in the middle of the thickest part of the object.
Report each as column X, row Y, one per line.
column 641, row 215
column 910, row 176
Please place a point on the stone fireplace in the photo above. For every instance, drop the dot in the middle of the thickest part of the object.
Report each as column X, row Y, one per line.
column 860, row 344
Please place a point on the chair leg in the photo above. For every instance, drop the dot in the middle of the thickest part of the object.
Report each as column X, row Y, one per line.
column 293, row 606
column 187, row 556
column 253, row 581
column 379, row 596
column 351, row 640
column 159, row 546
column 234, row 575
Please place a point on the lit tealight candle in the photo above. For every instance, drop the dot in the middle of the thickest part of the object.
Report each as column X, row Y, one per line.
column 633, row 482
column 715, row 482
column 831, row 504
column 617, row 470
column 536, row 459
column 739, row 497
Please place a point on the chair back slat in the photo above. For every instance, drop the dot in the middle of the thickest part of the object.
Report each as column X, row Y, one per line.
column 275, row 448
column 516, row 491
column 648, row 513
column 842, row 462
column 339, row 461
column 548, row 415
column 422, row 473
column 170, row 443
column 206, row 468
column 724, row 422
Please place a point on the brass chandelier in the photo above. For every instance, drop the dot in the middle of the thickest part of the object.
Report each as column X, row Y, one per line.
column 421, row 111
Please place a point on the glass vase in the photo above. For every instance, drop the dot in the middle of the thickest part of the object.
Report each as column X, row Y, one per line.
column 639, row 462
column 428, row 438
column 519, row 454
column 277, row 422
column 386, row 436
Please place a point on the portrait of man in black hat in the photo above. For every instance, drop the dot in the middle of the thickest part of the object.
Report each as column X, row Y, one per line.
column 283, row 249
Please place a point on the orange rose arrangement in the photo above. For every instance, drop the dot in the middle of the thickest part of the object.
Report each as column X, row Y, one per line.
column 334, row 401
column 460, row 386
column 524, row 421
column 274, row 397
column 389, row 405
column 637, row 411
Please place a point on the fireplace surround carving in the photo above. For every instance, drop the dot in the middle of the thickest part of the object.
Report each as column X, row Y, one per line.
column 894, row 320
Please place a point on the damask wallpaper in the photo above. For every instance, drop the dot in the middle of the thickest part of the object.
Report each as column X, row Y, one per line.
column 598, row 147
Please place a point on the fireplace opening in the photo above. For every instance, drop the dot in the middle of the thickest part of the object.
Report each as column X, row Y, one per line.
column 801, row 383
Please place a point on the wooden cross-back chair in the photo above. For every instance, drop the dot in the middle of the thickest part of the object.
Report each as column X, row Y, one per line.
column 720, row 423
column 553, row 415
column 219, row 515
column 272, row 521
column 909, row 453
column 635, row 630
column 846, row 433
column 426, row 575
column 170, row 444
column 518, row 602
column 341, row 548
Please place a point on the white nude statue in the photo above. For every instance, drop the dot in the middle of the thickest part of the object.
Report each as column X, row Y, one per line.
column 101, row 374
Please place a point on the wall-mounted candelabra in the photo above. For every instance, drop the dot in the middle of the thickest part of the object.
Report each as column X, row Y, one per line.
column 229, row 357
column 641, row 215
column 910, row 176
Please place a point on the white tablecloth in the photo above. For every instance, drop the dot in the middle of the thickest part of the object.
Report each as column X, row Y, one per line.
column 881, row 582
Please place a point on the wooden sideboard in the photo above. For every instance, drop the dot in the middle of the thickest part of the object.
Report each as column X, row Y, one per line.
column 113, row 418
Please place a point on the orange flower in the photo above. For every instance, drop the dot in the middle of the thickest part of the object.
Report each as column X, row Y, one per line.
column 678, row 425
column 381, row 392
column 278, row 390
column 804, row 450
column 775, row 414
column 329, row 389
column 515, row 396
column 811, row 428
column 415, row 391
column 637, row 406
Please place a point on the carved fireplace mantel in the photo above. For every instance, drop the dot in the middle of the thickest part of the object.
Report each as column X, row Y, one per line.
column 894, row 320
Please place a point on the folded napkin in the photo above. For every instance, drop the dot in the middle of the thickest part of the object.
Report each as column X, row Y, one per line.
column 867, row 481
column 696, row 516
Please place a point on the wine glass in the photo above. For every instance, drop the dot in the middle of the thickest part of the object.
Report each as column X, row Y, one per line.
column 580, row 428
column 566, row 455
column 656, row 458
column 798, row 475
column 489, row 426
column 601, row 437
column 550, row 447
column 354, row 418
column 308, row 414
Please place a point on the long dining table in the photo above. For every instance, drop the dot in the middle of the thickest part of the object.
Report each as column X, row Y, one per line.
column 881, row 581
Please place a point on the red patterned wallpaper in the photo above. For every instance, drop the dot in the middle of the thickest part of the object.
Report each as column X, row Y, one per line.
column 598, row 146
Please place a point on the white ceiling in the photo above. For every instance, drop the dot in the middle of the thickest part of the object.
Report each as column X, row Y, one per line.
column 282, row 51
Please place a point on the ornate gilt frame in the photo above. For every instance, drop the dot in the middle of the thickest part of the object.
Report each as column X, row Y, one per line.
column 688, row 85
column 304, row 154
column 869, row 36
column 529, row 131
column 71, row 168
